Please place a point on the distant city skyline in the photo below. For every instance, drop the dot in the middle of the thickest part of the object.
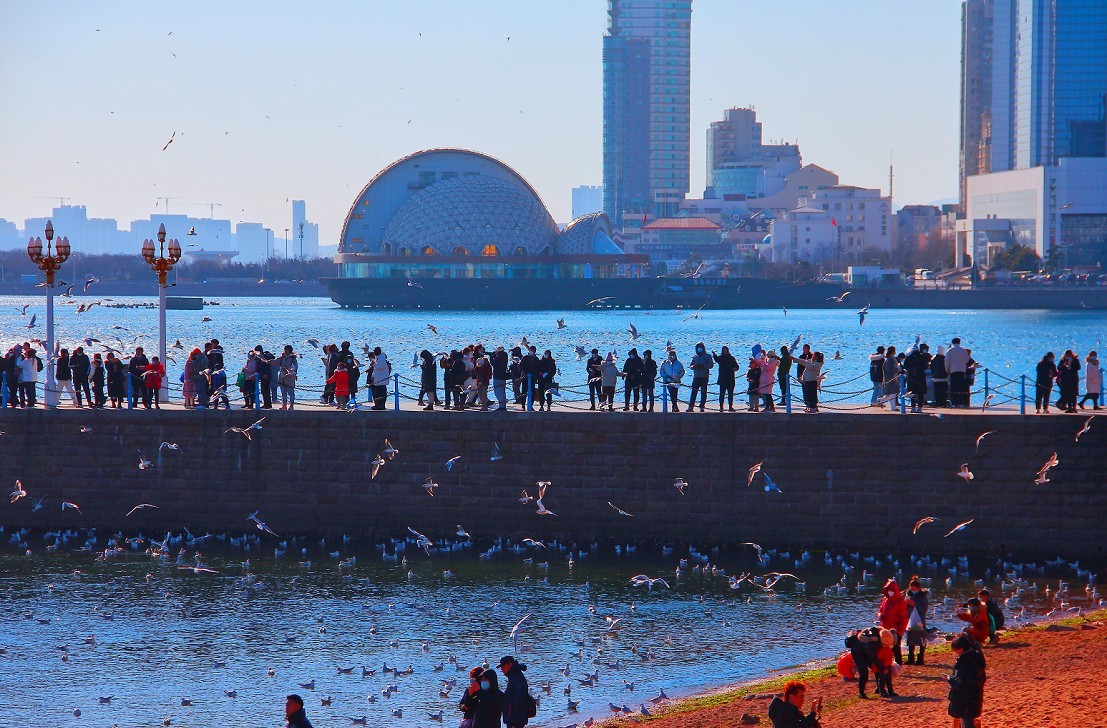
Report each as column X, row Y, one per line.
column 286, row 104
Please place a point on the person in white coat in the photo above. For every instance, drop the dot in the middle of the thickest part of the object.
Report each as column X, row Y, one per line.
column 380, row 376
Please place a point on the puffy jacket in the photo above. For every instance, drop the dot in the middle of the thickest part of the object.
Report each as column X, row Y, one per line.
column 29, row 367
column 979, row 626
column 893, row 609
column 81, row 367
column 728, row 365
column 482, row 374
column 785, row 715
column 768, row 374
column 672, row 371
column 649, row 372
column 701, row 366
column 382, row 371
column 966, row 684
column 632, row 368
column 341, row 381
column 609, row 374
column 151, row 378
column 517, row 696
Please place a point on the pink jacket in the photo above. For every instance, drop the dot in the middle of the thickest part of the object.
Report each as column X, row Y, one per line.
column 768, row 374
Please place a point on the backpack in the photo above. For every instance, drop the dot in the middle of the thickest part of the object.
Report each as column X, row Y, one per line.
column 531, row 705
column 876, row 370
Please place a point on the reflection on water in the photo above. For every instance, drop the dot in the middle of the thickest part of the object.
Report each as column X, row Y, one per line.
column 164, row 633
column 1010, row 343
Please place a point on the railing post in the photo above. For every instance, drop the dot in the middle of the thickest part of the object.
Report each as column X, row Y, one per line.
column 530, row 392
column 396, row 392
column 903, row 394
column 987, row 389
column 1102, row 388
column 788, row 397
column 1022, row 396
column 664, row 397
column 257, row 391
column 130, row 391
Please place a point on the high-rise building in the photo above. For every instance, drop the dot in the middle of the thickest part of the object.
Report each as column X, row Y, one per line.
column 305, row 235
column 739, row 165
column 647, row 75
column 1033, row 83
column 587, row 199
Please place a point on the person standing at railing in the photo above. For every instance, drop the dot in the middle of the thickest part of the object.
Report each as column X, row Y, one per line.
column 1093, row 380
column 99, row 378
column 528, row 367
column 649, row 379
column 632, row 379
column 9, row 377
column 341, row 381
column 381, row 373
column 218, row 375
column 592, row 372
column 876, row 375
column 891, row 376
column 29, row 367
column 957, row 362
column 64, row 376
column 151, row 382
column 1044, row 374
column 728, row 367
column 810, row 382
column 79, row 365
column 498, row 359
column 482, row 378
column 672, row 371
column 515, row 374
column 609, row 379
column 917, row 364
column 428, row 380
column 701, row 375
column 970, row 376
column 288, row 369
column 135, row 368
column 330, row 363
column 940, row 377
column 1068, row 380
column 769, row 363
column 783, row 374
column 547, row 371
column 117, row 380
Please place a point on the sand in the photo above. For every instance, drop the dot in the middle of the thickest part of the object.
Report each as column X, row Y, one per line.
column 1037, row 677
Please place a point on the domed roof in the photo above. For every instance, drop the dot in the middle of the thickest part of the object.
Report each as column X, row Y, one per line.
column 472, row 211
column 588, row 235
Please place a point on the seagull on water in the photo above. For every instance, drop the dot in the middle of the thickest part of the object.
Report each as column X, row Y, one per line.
column 561, row 324
column 641, row 579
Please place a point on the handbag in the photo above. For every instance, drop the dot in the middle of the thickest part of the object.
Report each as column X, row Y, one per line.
column 240, row 380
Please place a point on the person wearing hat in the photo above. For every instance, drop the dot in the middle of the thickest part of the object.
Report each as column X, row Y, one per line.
column 609, row 378
column 485, row 707
column 294, row 712
column 499, row 378
column 728, row 365
column 592, row 370
column 892, row 614
column 649, row 379
column 672, row 371
column 918, row 602
column 519, row 706
column 769, row 363
column 885, row 663
column 976, row 614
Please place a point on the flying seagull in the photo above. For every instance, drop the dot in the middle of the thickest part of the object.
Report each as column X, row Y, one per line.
column 754, row 471
column 139, row 507
column 561, row 324
column 171, row 137
column 260, row 524
column 1084, row 430
column 390, row 451
column 620, row 510
column 599, row 300
column 839, row 299
column 982, row 436
column 433, row 329
column 770, row 486
column 375, row 466
column 450, row 463
column 67, row 504
column 245, row 431
column 19, row 491
column 633, row 331
column 965, row 472
column 429, row 485
column 922, row 522
column 516, row 630
column 680, row 485
column 143, row 463
column 413, row 284
column 496, row 454
column 1051, row 463
column 542, row 494
column 863, row 313
column 959, row 527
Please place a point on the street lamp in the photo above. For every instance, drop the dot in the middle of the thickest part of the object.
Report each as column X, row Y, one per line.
column 49, row 264
column 161, row 265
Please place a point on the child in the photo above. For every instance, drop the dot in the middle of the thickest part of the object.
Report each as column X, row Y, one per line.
column 341, row 382
column 885, row 658
column 151, row 381
column 995, row 615
column 975, row 613
column 918, row 601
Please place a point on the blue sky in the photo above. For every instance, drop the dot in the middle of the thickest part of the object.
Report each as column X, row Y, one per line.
column 277, row 100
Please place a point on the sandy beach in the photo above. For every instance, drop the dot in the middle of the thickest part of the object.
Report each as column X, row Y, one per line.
column 1040, row 676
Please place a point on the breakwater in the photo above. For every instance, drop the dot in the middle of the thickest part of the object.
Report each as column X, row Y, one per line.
column 857, row 481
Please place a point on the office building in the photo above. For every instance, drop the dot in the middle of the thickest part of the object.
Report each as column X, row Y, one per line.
column 915, row 223
column 674, row 242
column 863, row 218
column 739, row 164
column 647, row 73
column 305, row 234
column 586, row 200
column 805, row 234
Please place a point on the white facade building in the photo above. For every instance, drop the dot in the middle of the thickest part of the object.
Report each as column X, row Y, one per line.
column 803, row 234
column 863, row 218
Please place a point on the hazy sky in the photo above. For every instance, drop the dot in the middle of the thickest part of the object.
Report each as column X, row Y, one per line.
column 275, row 100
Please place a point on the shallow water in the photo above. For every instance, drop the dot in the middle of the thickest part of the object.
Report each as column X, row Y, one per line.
column 1008, row 343
column 163, row 633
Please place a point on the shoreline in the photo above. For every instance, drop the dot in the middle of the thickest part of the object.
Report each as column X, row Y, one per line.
column 730, row 704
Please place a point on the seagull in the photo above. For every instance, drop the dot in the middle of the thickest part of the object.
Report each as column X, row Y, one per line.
column 561, row 324
column 261, row 524
column 206, row 320
column 191, row 231
column 542, row 494
column 839, row 299
column 308, row 685
column 604, row 299
column 754, row 471
column 375, row 466
column 1084, row 430
column 1051, row 463
column 770, row 486
column 959, row 527
column 313, row 342
column 413, row 284
column 756, row 547
column 496, row 455
column 633, row 331
column 863, row 313
column 620, row 510
column 643, row 579
column 139, row 507
column 143, row 463
column 199, row 569
column 659, row 697
column 450, row 463
column 171, row 137
column 34, row 317
column 516, row 630
column 38, row 503
column 88, row 282
column 19, row 492
column 433, row 329
column 785, row 309
column 390, row 451
column 23, row 311
column 922, row 522
column 67, row 504
column 422, row 541
column 525, row 497
column 245, row 431
column 680, row 485
column 534, row 543
column 987, row 399
column 429, row 485
column 982, row 436
column 965, row 472
column 462, row 533
column 695, row 315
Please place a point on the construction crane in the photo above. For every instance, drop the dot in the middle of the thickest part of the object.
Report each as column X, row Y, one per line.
column 210, row 205
column 61, row 200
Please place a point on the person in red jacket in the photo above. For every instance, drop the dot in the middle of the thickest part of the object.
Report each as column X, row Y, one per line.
column 151, row 383
column 341, row 381
column 893, row 615
column 975, row 613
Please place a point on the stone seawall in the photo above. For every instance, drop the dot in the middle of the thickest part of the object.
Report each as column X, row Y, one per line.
column 852, row 481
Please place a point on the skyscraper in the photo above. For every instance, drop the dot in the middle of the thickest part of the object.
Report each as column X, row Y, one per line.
column 1033, row 83
column 647, row 74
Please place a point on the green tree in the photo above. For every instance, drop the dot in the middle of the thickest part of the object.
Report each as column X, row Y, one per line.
column 1017, row 257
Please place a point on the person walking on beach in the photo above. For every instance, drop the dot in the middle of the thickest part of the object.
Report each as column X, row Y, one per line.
column 940, row 377
column 876, row 375
column 592, row 372
column 701, row 374
column 966, row 683
column 892, row 615
column 672, row 371
column 1044, row 374
column 918, row 602
column 609, row 379
column 728, row 366
column 649, row 379
column 787, row 711
column 632, row 379
column 519, row 706
column 1068, row 380
column 1093, row 381
column 294, row 712
column 957, row 362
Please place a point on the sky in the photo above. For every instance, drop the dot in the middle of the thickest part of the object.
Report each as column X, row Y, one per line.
column 273, row 101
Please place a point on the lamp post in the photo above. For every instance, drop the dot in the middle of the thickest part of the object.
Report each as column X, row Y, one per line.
column 161, row 265
column 49, row 264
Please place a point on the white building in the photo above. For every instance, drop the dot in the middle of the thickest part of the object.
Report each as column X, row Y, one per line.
column 863, row 218
column 806, row 233
column 1063, row 207
column 586, row 200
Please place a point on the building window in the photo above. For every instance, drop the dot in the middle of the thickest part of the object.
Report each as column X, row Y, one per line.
column 405, row 251
column 428, row 250
column 386, row 249
column 520, row 250
column 490, row 250
column 461, row 250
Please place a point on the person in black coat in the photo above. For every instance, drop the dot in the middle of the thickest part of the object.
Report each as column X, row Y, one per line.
column 294, row 712
column 458, row 375
column 862, row 645
column 966, row 682
column 486, row 706
column 917, row 364
column 728, row 366
column 547, row 373
column 135, row 369
column 649, row 380
column 528, row 370
column 787, row 711
column 1068, row 381
column 515, row 374
column 517, row 699
column 918, row 603
column 1044, row 375
column 99, row 379
column 499, row 361
column 428, row 380
column 592, row 370
column 632, row 379
column 81, row 367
